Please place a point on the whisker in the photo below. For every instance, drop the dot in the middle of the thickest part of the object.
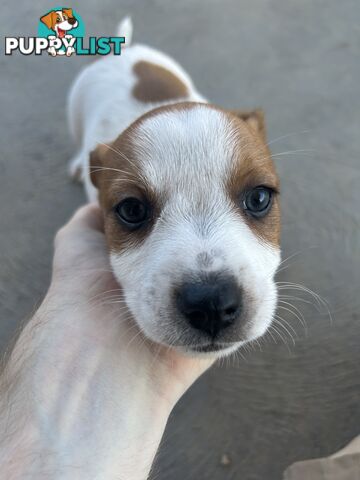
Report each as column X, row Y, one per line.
column 281, row 337
column 293, row 152
column 280, row 320
column 121, row 154
column 287, row 136
column 298, row 315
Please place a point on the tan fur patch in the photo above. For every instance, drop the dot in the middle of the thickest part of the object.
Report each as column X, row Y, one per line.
column 115, row 174
column 156, row 84
column 254, row 167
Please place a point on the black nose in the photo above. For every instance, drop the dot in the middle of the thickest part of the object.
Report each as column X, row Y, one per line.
column 210, row 306
column 72, row 20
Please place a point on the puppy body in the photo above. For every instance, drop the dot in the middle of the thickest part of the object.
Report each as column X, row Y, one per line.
column 197, row 272
column 103, row 100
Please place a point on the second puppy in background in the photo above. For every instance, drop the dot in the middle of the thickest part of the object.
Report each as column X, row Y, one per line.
column 190, row 200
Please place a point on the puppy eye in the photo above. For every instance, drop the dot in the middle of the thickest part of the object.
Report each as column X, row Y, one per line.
column 132, row 212
column 258, row 201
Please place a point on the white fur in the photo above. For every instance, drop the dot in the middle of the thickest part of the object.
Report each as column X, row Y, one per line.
column 187, row 157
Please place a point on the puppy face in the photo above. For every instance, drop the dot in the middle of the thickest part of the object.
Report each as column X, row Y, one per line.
column 61, row 21
column 190, row 199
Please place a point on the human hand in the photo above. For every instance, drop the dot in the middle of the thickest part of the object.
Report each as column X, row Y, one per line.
column 102, row 391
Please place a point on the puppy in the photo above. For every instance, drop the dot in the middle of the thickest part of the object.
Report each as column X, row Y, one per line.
column 61, row 22
column 190, row 200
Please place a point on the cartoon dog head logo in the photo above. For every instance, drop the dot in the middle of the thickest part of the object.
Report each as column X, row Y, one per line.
column 62, row 26
column 60, row 21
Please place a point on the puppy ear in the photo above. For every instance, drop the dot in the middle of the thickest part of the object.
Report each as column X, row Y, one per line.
column 97, row 164
column 255, row 119
column 48, row 19
column 68, row 11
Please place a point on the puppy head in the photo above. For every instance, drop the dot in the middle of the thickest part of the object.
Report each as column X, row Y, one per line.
column 60, row 21
column 190, row 200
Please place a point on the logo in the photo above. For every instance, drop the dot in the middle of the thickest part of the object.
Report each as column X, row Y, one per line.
column 61, row 32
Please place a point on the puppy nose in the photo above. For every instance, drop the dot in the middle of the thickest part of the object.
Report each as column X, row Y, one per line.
column 210, row 306
column 72, row 20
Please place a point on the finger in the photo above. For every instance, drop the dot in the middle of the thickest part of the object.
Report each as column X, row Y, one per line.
column 88, row 216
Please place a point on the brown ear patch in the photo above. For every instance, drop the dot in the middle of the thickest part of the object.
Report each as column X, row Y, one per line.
column 68, row 11
column 49, row 20
column 255, row 119
column 96, row 163
column 156, row 84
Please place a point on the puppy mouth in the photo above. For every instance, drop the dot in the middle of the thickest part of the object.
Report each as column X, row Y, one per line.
column 210, row 348
column 61, row 32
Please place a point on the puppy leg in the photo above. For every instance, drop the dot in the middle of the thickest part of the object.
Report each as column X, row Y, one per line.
column 52, row 50
column 76, row 168
column 70, row 48
column 79, row 172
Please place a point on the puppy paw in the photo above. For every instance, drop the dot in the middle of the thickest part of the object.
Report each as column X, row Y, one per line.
column 76, row 170
column 52, row 51
column 70, row 51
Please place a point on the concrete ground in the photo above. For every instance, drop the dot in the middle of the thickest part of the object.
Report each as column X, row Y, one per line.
column 299, row 60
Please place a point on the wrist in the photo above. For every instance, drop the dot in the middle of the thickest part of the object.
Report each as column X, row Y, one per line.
column 80, row 405
column 89, row 396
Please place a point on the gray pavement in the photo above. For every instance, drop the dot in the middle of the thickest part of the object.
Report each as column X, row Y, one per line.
column 299, row 60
